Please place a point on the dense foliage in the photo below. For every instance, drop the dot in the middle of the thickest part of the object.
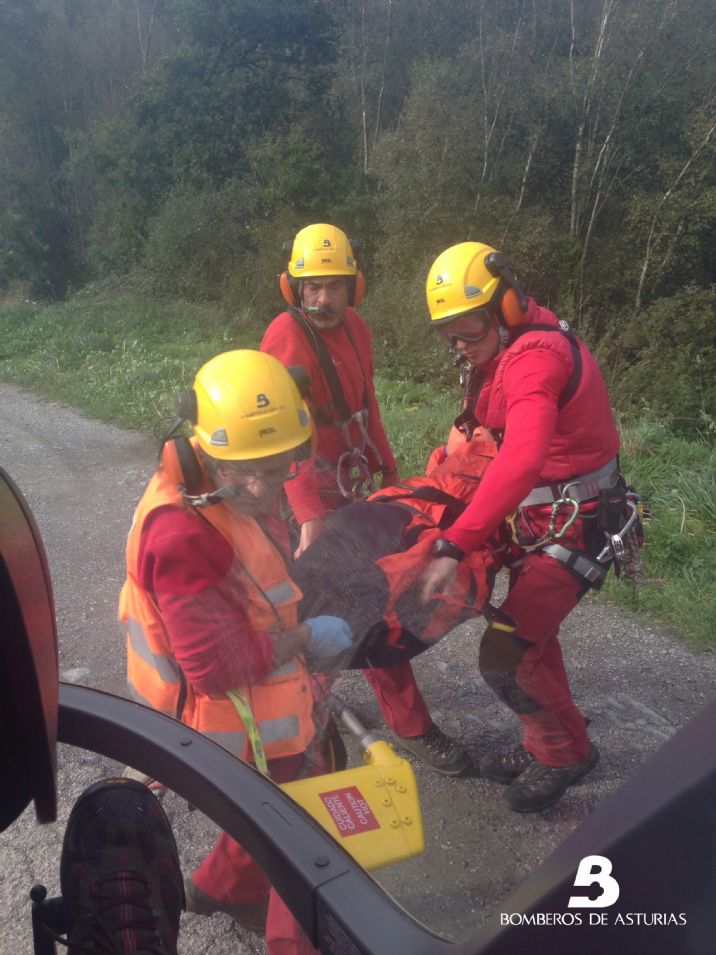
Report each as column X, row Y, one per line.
column 188, row 138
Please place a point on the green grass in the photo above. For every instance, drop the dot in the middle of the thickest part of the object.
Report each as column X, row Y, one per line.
column 121, row 356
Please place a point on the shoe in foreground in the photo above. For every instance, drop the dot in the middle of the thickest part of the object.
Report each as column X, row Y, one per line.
column 119, row 873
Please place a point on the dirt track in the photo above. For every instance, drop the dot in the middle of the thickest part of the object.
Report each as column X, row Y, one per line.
column 82, row 480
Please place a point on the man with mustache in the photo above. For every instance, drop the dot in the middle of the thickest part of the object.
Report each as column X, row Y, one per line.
column 322, row 332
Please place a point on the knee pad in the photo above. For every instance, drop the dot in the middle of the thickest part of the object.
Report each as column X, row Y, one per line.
column 500, row 655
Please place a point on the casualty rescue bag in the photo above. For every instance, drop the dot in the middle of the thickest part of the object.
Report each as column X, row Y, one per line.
column 367, row 563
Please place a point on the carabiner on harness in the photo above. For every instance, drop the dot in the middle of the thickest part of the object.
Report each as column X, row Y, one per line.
column 615, row 548
column 553, row 533
column 354, row 460
column 355, row 465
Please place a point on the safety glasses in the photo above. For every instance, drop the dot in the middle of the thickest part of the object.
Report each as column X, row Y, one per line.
column 469, row 327
column 276, row 474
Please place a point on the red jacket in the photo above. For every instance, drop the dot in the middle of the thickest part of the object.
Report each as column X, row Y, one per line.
column 350, row 347
column 542, row 442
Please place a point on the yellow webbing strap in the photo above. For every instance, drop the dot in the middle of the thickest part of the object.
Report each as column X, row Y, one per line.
column 252, row 730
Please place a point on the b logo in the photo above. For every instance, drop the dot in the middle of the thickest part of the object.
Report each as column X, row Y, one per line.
column 595, row 870
column 262, row 401
column 439, row 280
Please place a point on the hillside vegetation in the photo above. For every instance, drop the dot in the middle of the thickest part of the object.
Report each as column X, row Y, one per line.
column 155, row 155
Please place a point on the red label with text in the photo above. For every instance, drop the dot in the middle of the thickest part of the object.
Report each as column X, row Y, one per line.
column 349, row 811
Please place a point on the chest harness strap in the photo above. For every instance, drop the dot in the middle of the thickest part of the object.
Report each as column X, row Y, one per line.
column 352, row 467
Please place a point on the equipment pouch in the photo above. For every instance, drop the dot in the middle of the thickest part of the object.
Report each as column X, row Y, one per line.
column 612, row 508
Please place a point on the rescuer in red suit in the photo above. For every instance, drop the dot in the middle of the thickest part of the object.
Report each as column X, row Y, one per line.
column 322, row 332
column 538, row 389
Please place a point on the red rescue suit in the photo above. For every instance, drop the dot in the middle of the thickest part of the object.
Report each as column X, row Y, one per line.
column 518, row 396
column 314, row 491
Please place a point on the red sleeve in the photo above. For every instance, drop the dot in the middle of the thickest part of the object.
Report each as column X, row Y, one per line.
column 190, row 570
column 533, row 382
column 376, row 430
column 281, row 341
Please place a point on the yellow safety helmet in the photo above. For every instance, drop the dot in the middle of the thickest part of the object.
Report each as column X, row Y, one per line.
column 321, row 249
column 471, row 276
column 247, row 405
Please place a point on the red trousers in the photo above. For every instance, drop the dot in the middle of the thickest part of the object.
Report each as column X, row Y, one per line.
column 525, row 667
column 400, row 700
column 229, row 874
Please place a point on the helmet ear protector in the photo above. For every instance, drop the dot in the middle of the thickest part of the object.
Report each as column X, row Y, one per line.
column 179, row 447
column 290, row 286
column 511, row 300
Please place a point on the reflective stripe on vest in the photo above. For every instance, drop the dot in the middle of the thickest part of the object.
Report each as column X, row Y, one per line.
column 280, row 593
column 271, row 731
column 138, row 698
column 167, row 668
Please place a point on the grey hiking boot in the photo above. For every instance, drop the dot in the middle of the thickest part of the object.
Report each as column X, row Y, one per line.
column 437, row 751
column 540, row 786
column 250, row 915
column 504, row 767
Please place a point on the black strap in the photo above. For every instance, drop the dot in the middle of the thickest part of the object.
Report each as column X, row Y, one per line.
column 576, row 373
column 454, row 507
column 329, row 371
column 467, row 422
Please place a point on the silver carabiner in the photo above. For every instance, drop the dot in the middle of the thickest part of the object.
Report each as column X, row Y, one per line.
column 615, row 545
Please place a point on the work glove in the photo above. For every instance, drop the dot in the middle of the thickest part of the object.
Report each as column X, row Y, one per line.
column 329, row 636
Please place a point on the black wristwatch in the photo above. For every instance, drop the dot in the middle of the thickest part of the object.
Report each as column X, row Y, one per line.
column 445, row 548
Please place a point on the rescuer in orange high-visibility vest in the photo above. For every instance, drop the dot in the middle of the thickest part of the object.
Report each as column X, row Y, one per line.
column 209, row 607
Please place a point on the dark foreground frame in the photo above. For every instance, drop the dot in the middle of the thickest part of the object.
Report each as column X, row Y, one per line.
column 658, row 831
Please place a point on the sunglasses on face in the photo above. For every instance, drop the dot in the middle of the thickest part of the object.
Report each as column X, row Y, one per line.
column 470, row 327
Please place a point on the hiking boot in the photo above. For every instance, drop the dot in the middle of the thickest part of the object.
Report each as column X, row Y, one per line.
column 250, row 915
column 437, row 751
column 119, row 873
column 504, row 767
column 540, row 786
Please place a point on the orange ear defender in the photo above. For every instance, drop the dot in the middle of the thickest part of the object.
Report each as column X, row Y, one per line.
column 358, row 289
column 513, row 303
column 289, row 289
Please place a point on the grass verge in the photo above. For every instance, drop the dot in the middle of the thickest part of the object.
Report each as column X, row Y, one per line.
column 122, row 357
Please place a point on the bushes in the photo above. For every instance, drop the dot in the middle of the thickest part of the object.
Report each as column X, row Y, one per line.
column 196, row 240
column 665, row 360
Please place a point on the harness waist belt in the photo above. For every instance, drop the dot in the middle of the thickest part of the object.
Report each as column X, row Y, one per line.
column 578, row 489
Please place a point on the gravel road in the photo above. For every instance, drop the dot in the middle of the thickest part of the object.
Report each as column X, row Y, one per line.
column 638, row 685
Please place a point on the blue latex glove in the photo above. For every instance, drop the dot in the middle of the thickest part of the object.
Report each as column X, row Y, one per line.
column 329, row 636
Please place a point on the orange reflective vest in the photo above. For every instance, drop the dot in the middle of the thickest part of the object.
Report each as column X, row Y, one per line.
column 282, row 702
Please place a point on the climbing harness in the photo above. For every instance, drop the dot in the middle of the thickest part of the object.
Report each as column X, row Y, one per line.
column 353, row 475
